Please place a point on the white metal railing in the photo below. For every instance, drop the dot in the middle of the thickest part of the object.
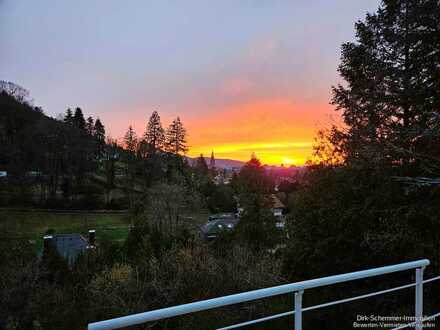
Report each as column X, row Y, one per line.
column 298, row 288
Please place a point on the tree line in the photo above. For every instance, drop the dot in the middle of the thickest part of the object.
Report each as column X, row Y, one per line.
column 44, row 157
column 70, row 162
column 157, row 139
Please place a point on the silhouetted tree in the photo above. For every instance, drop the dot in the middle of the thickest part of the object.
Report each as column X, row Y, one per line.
column 17, row 92
column 99, row 130
column 257, row 223
column 176, row 138
column 355, row 209
column 154, row 135
column 111, row 150
column 142, row 149
column 391, row 97
column 68, row 118
column 131, row 146
column 78, row 119
column 90, row 126
column 221, row 198
column 252, row 178
column 130, row 140
column 99, row 135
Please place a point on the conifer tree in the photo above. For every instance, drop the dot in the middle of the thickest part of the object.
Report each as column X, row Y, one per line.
column 391, row 99
column 68, row 118
column 99, row 135
column 78, row 119
column 253, row 178
column 176, row 138
column 257, row 223
column 99, row 131
column 90, row 123
column 130, row 140
column 154, row 135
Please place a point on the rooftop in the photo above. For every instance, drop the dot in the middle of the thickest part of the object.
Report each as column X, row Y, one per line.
column 69, row 246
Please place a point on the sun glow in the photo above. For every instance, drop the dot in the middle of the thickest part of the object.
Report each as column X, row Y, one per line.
column 269, row 153
column 288, row 161
column 278, row 130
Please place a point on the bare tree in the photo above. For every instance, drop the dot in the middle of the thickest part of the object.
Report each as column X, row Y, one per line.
column 19, row 93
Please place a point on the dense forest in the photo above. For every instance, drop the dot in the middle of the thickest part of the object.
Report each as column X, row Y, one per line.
column 369, row 197
column 44, row 156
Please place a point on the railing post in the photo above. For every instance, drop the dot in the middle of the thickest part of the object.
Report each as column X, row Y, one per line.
column 298, row 310
column 419, row 298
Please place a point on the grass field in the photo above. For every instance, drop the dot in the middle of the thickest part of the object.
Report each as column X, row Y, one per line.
column 31, row 226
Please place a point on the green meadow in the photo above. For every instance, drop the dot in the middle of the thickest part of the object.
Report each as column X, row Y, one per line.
column 31, row 226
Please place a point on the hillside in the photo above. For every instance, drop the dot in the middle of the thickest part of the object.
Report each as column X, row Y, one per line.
column 220, row 162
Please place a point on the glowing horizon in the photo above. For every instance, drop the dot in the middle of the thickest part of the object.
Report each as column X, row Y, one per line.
column 274, row 140
column 244, row 154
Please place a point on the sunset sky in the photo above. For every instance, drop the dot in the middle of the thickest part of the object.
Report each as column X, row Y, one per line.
column 244, row 76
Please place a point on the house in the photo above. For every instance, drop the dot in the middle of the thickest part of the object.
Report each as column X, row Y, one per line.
column 277, row 206
column 69, row 246
column 221, row 216
column 215, row 227
column 223, row 176
column 278, row 209
column 219, row 179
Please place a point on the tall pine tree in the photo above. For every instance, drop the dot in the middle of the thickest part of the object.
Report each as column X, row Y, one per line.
column 130, row 140
column 99, row 131
column 90, row 126
column 99, row 135
column 154, row 135
column 176, row 138
column 78, row 119
column 68, row 118
column 391, row 100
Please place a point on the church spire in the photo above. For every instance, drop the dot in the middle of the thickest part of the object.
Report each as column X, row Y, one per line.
column 212, row 161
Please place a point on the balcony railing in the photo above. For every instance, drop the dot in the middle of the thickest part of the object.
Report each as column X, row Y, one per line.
column 298, row 289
